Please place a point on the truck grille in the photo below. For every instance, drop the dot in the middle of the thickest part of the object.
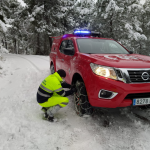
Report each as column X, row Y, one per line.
column 139, row 76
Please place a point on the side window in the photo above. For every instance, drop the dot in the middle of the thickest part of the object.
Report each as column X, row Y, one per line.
column 69, row 48
column 62, row 46
column 66, row 44
column 70, row 44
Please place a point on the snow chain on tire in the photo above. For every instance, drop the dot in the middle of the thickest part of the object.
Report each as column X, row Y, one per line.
column 82, row 105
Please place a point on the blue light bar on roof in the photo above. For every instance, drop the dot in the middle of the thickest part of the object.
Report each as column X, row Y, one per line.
column 82, row 32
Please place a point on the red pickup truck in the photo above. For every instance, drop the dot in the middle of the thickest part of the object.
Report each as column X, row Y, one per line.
column 105, row 73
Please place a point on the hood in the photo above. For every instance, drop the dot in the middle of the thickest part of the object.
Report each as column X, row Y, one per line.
column 122, row 60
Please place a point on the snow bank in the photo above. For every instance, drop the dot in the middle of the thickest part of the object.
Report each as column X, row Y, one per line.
column 3, row 50
column 4, row 65
column 2, row 60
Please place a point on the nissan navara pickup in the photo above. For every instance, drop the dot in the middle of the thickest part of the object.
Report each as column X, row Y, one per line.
column 104, row 72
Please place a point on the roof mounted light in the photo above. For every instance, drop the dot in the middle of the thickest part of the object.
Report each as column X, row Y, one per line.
column 82, row 32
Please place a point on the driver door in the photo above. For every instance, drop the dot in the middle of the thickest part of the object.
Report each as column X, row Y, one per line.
column 67, row 61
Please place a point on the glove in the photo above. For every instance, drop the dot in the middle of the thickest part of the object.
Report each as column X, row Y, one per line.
column 74, row 90
column 72, row 86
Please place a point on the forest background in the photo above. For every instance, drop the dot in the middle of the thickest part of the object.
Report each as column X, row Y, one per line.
column 28, row 29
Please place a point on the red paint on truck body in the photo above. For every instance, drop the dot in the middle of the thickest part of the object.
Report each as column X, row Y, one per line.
column 80, row 63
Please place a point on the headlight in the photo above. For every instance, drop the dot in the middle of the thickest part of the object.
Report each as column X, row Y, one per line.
column 107, row 72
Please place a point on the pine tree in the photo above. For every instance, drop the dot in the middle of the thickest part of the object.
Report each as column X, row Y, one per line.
column 84, row 13
column 7, row 15
column 145, row 20
column 120, row 20
column 49, row 18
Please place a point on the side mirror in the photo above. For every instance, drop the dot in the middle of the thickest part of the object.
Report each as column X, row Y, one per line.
column 131, row 52
column 69, row 51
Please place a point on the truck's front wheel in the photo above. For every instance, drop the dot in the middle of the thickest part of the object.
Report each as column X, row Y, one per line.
column 82, row 105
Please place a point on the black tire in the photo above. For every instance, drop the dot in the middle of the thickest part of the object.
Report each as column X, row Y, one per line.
column 52, row 69
column 82, row 105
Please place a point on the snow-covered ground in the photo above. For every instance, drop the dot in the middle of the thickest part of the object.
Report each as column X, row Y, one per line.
column 22, row 127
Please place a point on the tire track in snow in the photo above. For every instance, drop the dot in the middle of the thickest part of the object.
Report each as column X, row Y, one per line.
column 28, row 61
column 41, row 58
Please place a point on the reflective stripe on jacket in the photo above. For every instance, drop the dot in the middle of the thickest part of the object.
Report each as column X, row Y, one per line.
column 50, row 84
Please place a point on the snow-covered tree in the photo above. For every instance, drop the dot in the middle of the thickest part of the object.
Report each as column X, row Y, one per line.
column 7, row 16
column 145, row 20
column 120, row 20
column 32, row 26
column 49, row 18
column 84, row 13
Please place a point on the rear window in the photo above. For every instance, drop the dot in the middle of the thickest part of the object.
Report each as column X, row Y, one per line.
column 100, row 46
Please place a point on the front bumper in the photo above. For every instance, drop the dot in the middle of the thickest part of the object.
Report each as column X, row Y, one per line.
column 124, row 90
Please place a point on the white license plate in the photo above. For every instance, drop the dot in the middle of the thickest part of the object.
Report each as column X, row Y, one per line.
column 141, row 101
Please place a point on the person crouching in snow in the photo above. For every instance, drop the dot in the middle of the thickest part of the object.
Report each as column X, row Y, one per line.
column 51, row 96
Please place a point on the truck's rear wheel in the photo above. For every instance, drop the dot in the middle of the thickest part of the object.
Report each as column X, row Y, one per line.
column 52, row 69
column 82, row 105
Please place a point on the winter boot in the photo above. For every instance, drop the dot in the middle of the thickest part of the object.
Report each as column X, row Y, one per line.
column 47, row 117
column 52, row 110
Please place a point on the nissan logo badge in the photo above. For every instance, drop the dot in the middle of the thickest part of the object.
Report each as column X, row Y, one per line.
column 145, row 76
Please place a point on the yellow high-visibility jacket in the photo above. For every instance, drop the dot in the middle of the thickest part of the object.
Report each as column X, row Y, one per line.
column 50, row 85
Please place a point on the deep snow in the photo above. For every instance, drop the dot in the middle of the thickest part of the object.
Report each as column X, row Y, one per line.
column 22, row 127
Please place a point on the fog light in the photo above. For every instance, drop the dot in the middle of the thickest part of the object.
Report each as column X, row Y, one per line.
column 106, row 94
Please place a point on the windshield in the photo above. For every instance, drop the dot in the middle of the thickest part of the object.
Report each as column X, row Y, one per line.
column 100, row 46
